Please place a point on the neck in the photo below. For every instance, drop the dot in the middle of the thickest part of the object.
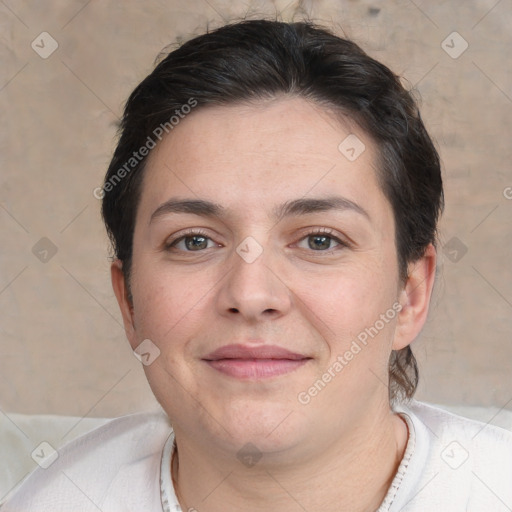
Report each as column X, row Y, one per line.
column 353, row 475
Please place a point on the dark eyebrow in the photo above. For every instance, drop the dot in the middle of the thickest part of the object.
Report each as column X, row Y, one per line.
column 304, row 206
column 301, row 206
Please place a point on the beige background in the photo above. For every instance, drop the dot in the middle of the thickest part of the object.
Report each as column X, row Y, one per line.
column 62, row 346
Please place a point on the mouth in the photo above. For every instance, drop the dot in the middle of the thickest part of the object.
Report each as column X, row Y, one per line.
column 264, row 361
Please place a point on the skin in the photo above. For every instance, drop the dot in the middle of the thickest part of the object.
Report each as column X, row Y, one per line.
column 340, row 451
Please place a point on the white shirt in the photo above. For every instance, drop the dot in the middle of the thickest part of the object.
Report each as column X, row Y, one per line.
column 451, row 464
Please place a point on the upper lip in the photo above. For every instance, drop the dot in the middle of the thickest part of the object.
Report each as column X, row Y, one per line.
column 238, row 351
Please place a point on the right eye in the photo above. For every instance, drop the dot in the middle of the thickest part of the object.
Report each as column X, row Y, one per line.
column 192, row 241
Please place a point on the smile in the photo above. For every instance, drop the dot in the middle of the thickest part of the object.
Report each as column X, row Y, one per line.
column 256, row 368
column 249, row 362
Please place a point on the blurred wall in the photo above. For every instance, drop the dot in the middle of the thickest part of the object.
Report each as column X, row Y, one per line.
column 66, row 69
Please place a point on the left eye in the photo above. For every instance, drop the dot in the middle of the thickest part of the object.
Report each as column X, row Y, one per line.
column 320, row 241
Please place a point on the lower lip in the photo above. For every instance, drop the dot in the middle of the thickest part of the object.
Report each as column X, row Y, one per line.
column 256, row 368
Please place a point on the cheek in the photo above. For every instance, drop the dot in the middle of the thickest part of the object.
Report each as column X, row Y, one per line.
column 156, row 303
column 353, row 299
column 166, row 304
column 357, row 319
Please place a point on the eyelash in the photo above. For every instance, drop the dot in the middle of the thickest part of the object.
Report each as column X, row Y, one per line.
column 315, row 231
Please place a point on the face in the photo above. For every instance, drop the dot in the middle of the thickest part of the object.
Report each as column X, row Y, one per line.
column 272, row 287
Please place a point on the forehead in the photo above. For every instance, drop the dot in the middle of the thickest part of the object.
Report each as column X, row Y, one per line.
column 254, row 156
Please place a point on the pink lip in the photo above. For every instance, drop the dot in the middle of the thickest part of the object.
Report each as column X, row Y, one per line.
column 263, row 361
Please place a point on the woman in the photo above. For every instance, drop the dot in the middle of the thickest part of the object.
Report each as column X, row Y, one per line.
column 272, row 204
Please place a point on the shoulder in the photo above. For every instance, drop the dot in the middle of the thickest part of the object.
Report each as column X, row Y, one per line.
column 445, row 424
column 458, row 461
column 85, row 471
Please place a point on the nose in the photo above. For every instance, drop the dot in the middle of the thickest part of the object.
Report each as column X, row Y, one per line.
column 253, row 289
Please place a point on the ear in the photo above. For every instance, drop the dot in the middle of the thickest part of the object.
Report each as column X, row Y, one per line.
column 415, row 298
column 121, row 291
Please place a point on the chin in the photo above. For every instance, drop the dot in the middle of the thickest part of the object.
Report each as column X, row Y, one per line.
column 270, row 427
